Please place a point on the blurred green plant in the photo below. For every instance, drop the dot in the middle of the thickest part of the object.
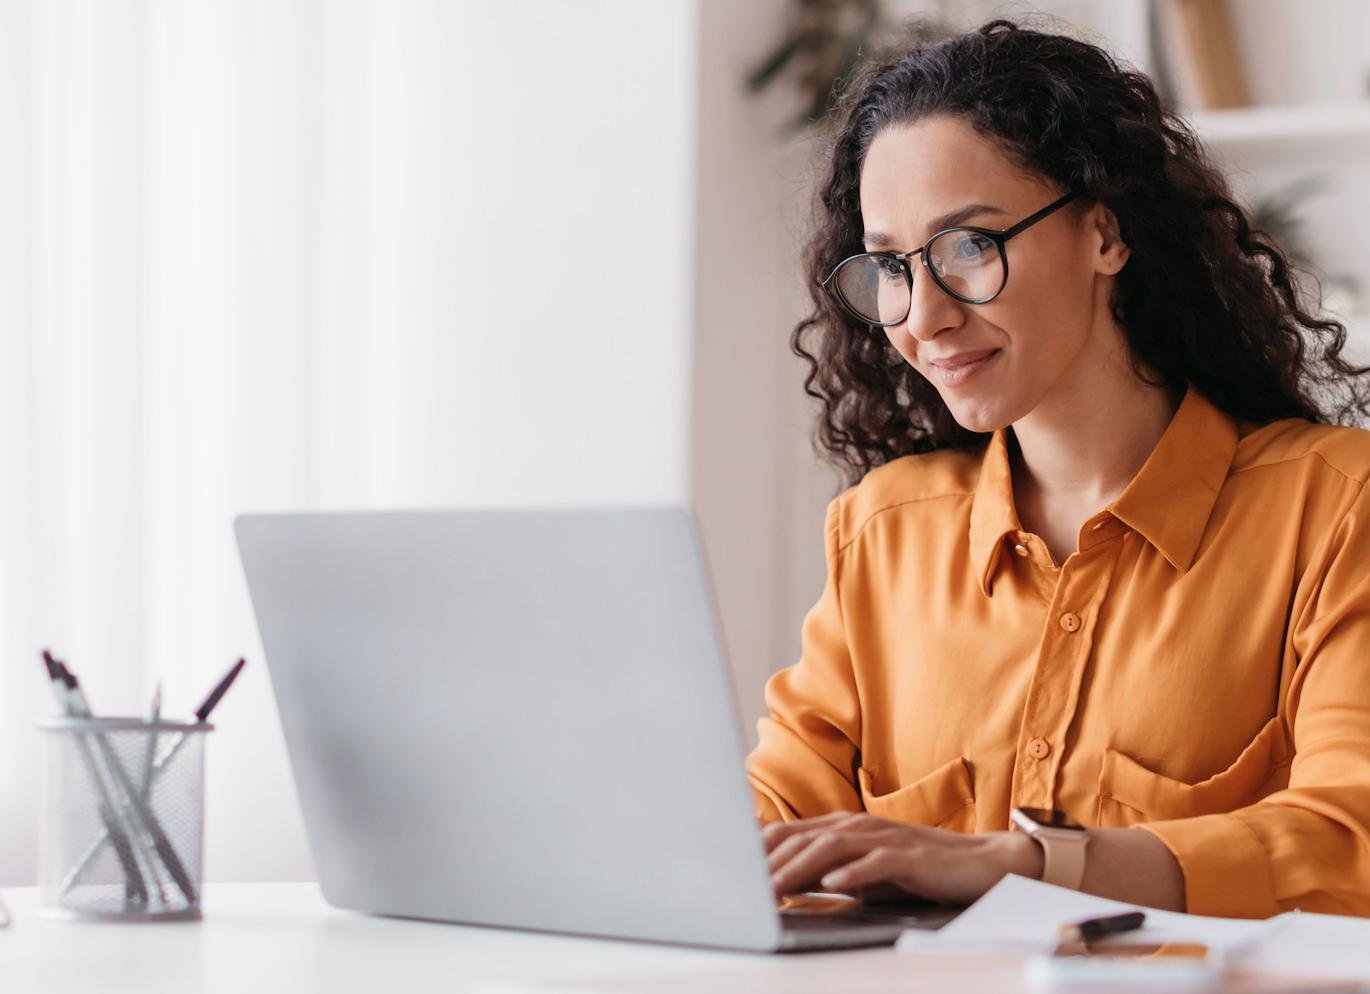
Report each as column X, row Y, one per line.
column 825, row 43
column 1276, row 213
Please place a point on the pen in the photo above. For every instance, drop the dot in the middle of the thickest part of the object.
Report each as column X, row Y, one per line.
column 145, row 819
column 164, row 757
column 1089, row 929
column 129, row 811
column 135, row 888
column 150, row 748
column 203, row 712
column 220, row 688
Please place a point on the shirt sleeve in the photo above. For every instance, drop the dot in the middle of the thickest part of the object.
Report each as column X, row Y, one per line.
column 804, row 763
column 1307, row 845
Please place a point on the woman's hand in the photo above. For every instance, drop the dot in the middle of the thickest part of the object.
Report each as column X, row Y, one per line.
column 880, row 860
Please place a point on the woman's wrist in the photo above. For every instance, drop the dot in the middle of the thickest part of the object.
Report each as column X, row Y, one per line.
column 1124, row 864
column 1020, row 853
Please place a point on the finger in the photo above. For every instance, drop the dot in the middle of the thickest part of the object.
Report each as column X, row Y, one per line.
column 800, row 839
column 825, row 851
column 777, row 832
column 889, row 865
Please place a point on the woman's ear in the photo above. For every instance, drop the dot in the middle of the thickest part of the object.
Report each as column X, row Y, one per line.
column 1110, row 252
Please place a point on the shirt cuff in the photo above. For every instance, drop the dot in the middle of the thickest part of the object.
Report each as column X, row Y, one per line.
column 1226, row 868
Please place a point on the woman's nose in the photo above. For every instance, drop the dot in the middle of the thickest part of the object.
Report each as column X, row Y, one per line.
column 931, row 309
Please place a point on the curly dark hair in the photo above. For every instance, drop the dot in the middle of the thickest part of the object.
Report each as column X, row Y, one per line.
column 1202, row 299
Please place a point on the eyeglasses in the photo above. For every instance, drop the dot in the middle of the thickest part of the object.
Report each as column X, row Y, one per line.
column 969, row 263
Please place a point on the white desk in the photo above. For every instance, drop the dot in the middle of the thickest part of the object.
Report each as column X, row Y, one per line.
column 262, row 938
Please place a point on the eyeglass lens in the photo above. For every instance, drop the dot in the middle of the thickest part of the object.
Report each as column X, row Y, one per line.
column 965, row 263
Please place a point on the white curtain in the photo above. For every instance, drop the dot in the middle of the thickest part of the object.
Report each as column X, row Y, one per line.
column 233, row 275
column 160, row 366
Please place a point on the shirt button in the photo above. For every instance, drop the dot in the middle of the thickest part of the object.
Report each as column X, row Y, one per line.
column 1039, row 748
column 1020, row 550
column 1070, row 621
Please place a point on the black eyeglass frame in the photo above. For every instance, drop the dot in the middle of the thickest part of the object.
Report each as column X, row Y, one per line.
column 999, row 237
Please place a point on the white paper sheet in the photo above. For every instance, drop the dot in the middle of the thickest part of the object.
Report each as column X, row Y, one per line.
column 1018, row 913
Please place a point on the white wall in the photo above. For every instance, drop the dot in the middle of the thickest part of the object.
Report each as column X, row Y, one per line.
column 759, row 493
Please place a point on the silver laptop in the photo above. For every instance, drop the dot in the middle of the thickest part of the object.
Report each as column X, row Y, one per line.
column 522, row 718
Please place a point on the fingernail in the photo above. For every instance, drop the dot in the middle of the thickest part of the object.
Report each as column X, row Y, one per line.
column 832, row 880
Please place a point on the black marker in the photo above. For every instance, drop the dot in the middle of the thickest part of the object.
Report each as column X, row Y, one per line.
column 1090, row 929
column 221, row 688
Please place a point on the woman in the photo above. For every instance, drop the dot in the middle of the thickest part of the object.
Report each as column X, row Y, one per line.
column 1104, row 552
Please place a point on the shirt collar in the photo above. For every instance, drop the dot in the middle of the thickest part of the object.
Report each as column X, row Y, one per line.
column 992, row 512
column 1168, row 502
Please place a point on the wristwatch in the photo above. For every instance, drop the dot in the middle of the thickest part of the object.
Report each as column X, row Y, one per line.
column 1063, row 843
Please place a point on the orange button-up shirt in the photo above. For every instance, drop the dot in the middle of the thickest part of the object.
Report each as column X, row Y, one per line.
column 1199, row 666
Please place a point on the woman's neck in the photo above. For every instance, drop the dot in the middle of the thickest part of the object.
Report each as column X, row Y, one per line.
column 1085, row 442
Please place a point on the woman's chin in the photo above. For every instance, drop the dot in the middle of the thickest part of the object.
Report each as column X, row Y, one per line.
column 979, row 417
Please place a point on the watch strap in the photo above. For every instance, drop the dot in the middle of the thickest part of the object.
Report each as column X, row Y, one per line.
column 1063, row 849
column 1064, row 857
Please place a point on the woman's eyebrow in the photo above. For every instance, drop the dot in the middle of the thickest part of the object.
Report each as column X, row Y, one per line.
column 880, row 240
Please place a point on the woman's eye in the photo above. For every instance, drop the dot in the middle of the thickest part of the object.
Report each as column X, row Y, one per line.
column 972, row 247
column 891, row 269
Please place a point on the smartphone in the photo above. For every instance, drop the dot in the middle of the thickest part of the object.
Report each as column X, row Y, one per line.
column 1077, row 963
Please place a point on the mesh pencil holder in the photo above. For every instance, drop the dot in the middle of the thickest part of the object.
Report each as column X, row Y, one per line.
column 121, row 834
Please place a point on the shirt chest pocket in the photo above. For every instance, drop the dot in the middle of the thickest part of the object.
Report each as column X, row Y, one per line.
column 1130, row 793
column 944, row 798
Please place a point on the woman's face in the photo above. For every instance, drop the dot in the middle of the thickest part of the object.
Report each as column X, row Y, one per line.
column 1040, row 325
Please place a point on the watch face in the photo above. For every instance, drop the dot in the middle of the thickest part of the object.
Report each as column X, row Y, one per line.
column 1051, row 818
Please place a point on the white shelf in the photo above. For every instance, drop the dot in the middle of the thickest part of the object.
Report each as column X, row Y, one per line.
column 1316, row 127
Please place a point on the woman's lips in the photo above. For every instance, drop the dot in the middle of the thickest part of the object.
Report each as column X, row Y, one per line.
column 954, row 376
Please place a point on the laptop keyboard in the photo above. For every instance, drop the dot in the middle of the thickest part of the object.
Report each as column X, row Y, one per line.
column 852, row 929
